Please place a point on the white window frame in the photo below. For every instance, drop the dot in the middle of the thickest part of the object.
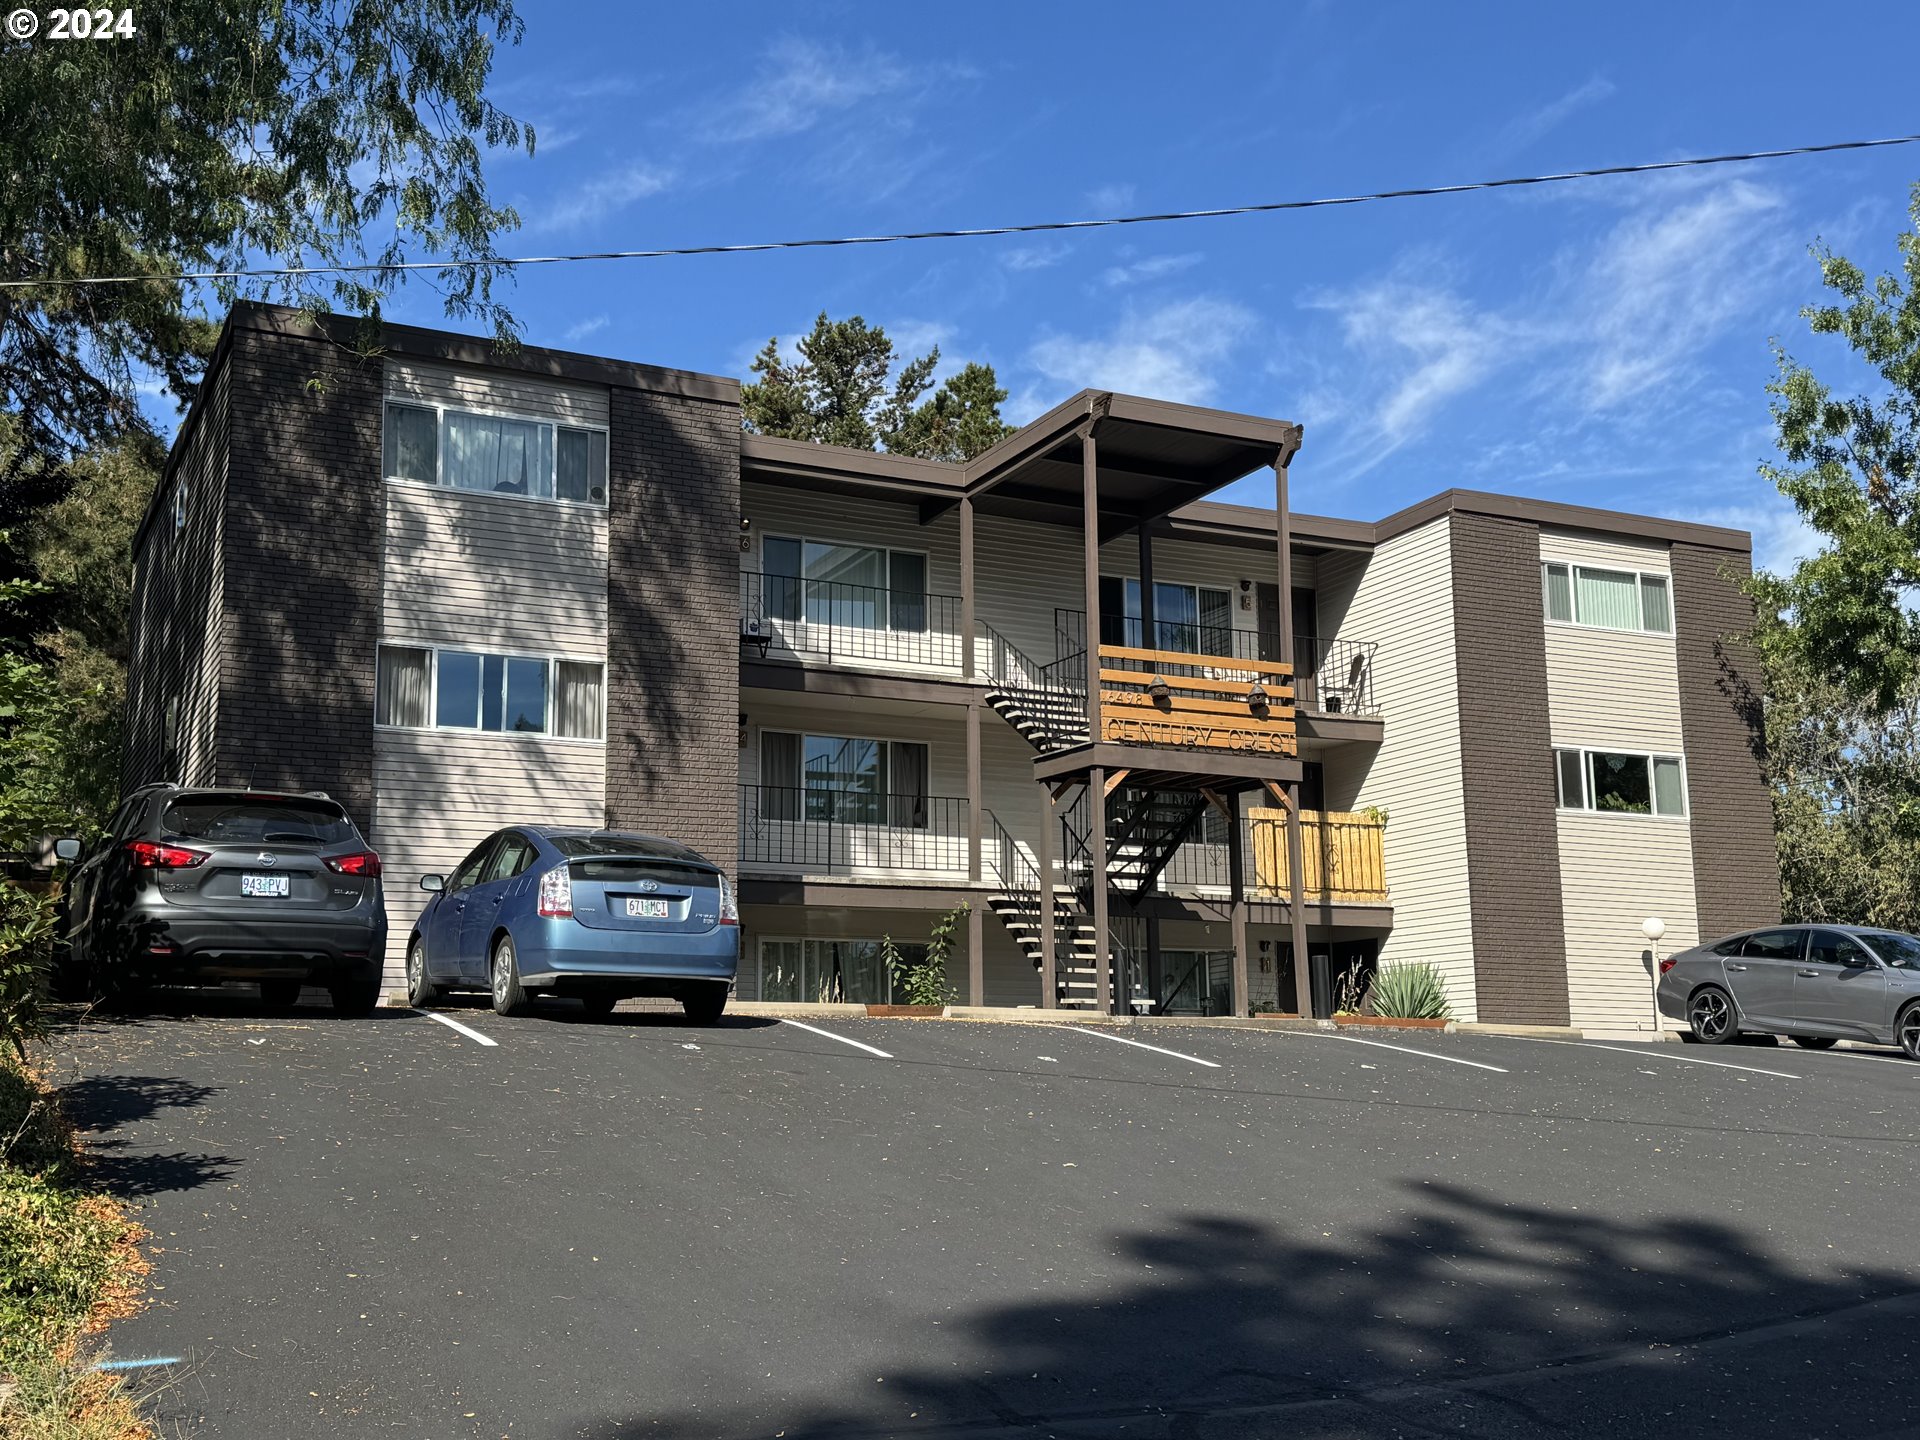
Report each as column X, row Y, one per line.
column 1193, row 587
column 179, row 504
column 1586, row 805
column 1573, row 567
column 884, row 741
column 552, row 662
column 439, row 481
column 926, row 558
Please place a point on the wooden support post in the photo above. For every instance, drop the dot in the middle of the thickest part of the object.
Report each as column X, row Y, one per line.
column 1296, row 861
column 1049, row 959
column 1115, row 781
column 1097, row 874
column 1090, row 559
column 1149, row 626
column 1237, row 893
column 976, row 932
column 967, row 625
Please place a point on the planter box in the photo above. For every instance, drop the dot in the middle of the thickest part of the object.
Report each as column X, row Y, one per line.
column 1388, row 1023
column 906, row 1012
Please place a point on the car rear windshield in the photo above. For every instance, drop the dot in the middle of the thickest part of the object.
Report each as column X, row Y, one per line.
column 256, row 820
column 1901, row 951
column 614, row 870
column 629, row 846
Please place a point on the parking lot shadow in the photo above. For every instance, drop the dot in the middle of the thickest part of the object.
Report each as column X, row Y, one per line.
column 103, row 1104
column 1468, row 1314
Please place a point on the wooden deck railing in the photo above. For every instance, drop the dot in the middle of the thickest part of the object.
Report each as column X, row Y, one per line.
column 1343, row 855
column 1183, row 700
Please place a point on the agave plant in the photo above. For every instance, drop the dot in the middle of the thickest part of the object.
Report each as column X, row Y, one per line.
column 1410, row 992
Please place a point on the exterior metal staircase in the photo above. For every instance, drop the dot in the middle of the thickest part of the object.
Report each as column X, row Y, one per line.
column 1016, row 901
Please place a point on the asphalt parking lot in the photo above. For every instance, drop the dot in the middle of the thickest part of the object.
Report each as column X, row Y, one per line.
column 946, row 1228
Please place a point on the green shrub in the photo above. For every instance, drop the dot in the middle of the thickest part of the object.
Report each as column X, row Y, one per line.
column 1410, row 992
column 26, row 939
column 924, row 981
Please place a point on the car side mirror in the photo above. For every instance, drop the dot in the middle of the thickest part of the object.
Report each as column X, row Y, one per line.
column 66, row 849
column 433, row 882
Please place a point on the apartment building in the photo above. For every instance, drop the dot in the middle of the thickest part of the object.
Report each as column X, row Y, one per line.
column 456, row 588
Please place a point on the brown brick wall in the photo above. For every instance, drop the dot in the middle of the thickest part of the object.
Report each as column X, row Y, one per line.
column 673, row 620
column 304, row 520
column 1735, row 868
column 1506, row 754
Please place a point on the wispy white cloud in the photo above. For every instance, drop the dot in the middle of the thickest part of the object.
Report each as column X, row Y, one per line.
column 1109, row 199
column 1781, row 539
column 1643, row 304
column 603, row 197
column 1034, row 257
column 800, row 83
column 581, row 329
column 1177, row 351
column 1523, row 130
column 1154, row 267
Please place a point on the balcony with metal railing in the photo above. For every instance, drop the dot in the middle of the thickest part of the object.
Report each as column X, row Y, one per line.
column 1333, row 676
column 798, row 831
column 830, row 622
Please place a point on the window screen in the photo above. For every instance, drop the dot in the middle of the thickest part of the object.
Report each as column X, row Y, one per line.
column 1572, row 785
column 412, row 439
column 1607, row 597
column 1559, row 588
column 1656, row 613
column 1669, row 795
column 580, row 467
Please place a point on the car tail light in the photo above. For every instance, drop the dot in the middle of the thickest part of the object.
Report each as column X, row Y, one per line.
column 729, row 907
column 149, row 856
column 366, row 864
column 1669, row 963
column 556, row 894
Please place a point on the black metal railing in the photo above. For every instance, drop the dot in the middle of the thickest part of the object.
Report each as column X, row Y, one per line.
column 1006, row 862
column 1330, row 675
column 840, row 832
column 832, row 620
column 1003, row 663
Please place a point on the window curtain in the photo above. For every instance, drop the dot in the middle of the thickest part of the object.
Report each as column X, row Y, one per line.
column 577, row 700
column 1669, row 797
column 491, row 453
column 779, row 776
column 401, row 686
column 907, row 781
column 907, row 591
column 1608, row 597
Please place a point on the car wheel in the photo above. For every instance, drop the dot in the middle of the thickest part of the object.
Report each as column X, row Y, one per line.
column 1907, row 1029
column 280, row 994
column 509, row 997
column 1814, row 1042
column 599, row 1006
column 1711, row 1015
column 420, row 989
column 356, row 998
column 706, row 1005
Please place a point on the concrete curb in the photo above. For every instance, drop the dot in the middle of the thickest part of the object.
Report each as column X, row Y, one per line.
column 799, row 1009
column 1034, row 1015
column 1537, row 1032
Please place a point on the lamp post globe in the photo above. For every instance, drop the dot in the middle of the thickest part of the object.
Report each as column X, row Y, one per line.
column 1653, row 927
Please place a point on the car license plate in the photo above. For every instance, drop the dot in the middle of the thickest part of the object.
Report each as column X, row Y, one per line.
column 265, row 885
column 647, row 909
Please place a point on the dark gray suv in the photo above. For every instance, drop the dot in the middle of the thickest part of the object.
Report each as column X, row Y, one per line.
column 198, row 885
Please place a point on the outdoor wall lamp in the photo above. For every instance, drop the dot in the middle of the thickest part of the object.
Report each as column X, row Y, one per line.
column 1257, row 696
column 1159, row 690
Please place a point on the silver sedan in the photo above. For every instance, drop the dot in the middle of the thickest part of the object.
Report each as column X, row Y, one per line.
column 1816, row 984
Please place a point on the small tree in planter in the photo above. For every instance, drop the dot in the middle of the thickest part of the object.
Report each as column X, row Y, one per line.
column 924, row 982
column 1410, row 992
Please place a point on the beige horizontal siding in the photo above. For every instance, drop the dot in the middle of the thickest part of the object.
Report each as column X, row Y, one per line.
column 1616, row 870
column 1402, row 596
column 438, row 794
column 494, row 572
column 518, row 394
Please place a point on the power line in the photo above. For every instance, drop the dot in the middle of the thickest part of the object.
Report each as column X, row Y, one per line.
column 1035, row 228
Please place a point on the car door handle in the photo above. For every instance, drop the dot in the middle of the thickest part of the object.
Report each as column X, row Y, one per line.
column 496, row 899
column 1736, row 967
column 1809, row 974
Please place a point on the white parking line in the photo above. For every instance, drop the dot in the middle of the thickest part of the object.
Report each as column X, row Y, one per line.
column 1409, row 1050
column 856, row 1044
column 1122, row 1040
column 452, row 1024
column 1653, row 1052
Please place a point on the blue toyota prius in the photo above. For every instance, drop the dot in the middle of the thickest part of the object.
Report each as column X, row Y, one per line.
column 599, row 915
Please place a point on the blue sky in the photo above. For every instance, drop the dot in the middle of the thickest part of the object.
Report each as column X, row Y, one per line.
column 1603, row 342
